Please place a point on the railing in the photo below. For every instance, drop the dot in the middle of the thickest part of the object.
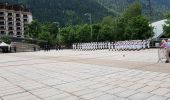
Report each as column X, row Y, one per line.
column 2, row 28
column 1, row 15
column 161, row 55
column 25, row 47
column 2, row 23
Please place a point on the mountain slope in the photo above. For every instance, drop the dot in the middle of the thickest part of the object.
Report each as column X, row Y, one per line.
column 64, row 11
column 72, row 11
column 158, row 7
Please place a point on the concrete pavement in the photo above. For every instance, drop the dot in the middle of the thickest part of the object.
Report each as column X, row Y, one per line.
column 84, row 75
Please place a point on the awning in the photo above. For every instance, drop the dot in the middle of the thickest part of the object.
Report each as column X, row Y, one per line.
column 3, row 44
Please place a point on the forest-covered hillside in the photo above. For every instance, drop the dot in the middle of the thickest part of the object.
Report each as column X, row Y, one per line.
column 64, row 11
column 72, row 11
column 155, row 9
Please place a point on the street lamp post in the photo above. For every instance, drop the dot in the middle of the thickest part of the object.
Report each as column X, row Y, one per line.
column 58, row 24
column 90, row 18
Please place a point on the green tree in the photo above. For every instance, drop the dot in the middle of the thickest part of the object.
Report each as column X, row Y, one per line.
column 68, row 35
column 6, row 39
column 33, row 29
column 166, row 27
column 108, row 20
column 96, row 31
column 133, row 10
column 84, row 33
column 138, row 28
column 106, row 33
column 119, row 29
column 50, row 31
column 47, row 37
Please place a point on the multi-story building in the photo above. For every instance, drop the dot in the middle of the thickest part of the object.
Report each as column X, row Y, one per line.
column 13, row 19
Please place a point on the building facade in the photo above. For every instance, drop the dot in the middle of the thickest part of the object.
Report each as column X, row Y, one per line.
column 13, row 20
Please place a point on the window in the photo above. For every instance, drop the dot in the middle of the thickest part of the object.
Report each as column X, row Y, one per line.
column 18, row 24
column 10, row 28
column 19, row 33
column 10, row 19
column 25, row 16
column 18, row 19
column 11, row 33
column 18, row 28
column 10, row 23
column 25, row 20
column 2, row 32
column 9, row 14
column 17, row 15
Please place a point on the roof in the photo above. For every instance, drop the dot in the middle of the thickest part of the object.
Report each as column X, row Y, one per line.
column 158, row 28
column 3, row 44
column 16, row 7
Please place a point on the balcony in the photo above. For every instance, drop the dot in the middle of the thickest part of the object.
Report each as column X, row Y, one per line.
column 10, row 28
column 18, row 20
column 19, row 33
column 18, row 24
column 10, row 23
column 25, row 16
column 2, row 28
column 25, row 20
column 2, row 14
column 2, row 23
column 18, row 29
column 19, row 36
column 2, row 33
column 10, row 14
column 2, row 18
column 18, row 15
column 11, row 33
column 10, row 19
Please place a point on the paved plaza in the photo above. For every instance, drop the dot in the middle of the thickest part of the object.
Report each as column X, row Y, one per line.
column 84, row 75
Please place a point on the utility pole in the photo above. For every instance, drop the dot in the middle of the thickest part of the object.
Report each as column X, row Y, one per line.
column 90, row 18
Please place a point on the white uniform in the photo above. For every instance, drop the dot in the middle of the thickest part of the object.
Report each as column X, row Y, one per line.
column 112, row 46
column 148, row 44
column 109, row 46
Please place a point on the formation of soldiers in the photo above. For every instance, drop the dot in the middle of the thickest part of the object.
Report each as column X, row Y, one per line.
column 90, row 46
column 120, row 45
column 132, row 45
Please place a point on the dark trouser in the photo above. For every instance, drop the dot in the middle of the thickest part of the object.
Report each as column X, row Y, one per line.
column 168, row 55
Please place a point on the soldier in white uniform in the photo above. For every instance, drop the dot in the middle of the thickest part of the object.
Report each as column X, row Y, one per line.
column 134, row 45
column 143, row 44
column 80, row 46
column 126, row 45
column 112, row 46
column 106, row 45
column 109, row 46
column 96, row 46
column 115, row 46
column 100, row 45
column 148, row 44
column 83, row 46
column 74, row 46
